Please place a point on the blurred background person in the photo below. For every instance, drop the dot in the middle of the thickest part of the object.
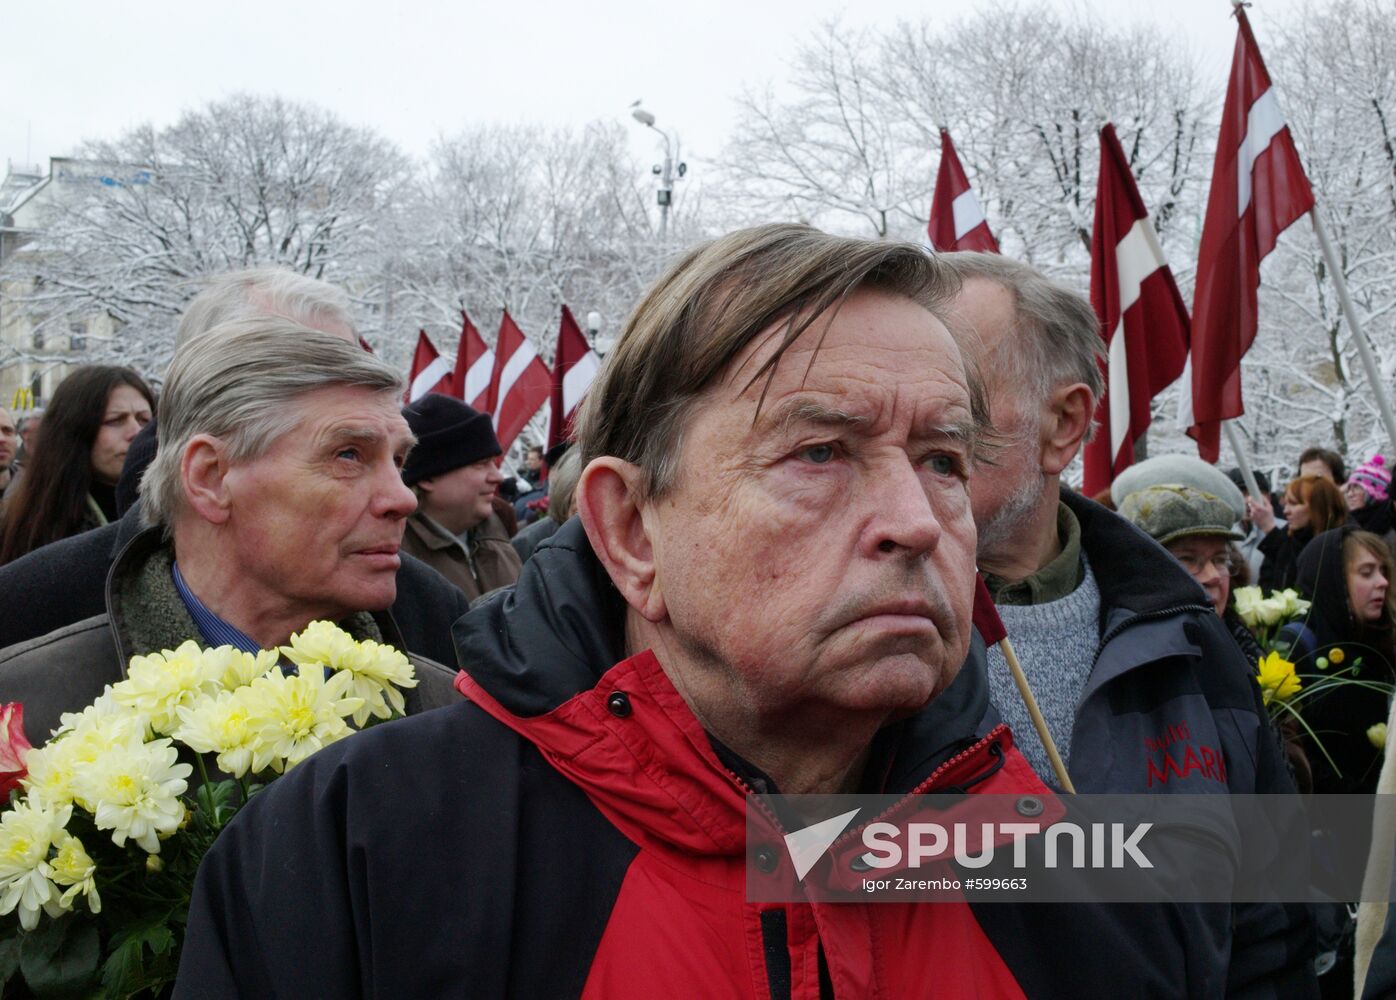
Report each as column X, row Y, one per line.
column 29, row 434
column 1323, row 462
column 1312, row 505
column 9, row 448
column 562, row 488
column 1368, row 495
column 452, row 470
column 69, row 486
column 1249, row 546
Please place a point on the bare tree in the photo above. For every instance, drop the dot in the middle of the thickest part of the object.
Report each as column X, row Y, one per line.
column 240, row 182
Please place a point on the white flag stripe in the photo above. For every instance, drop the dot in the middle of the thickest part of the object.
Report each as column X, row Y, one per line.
column 1118, row 389
column 1137, row 256
column 1185, row 419
column 577, row 380
column 1263, row 123
column 513, row 368
column 428, row 377
column 967, row 212
column 477, row 378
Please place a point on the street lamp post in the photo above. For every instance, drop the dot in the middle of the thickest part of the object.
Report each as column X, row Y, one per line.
column 593, row 327
column 665, row 172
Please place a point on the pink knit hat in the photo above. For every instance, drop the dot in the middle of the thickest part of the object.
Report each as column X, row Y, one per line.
column 1374, row 478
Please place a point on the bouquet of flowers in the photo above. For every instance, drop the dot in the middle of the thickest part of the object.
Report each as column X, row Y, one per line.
column 1265, row 616
column 102, row 832
column 1284, row 688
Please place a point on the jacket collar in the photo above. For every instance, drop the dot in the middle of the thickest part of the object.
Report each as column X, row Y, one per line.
column 147, row 614
column 431, row 534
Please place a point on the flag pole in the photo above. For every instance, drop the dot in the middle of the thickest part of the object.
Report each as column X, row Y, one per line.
column 1038, row 722
column 1359, row 336
column 1239, row 450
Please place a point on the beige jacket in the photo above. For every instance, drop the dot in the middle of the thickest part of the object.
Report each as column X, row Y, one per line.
column 490, row 563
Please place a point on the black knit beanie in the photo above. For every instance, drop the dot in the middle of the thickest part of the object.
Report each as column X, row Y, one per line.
column 449, row 435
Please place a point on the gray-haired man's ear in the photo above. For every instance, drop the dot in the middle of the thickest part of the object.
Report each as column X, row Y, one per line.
column 619, row 530
column 1065, row 424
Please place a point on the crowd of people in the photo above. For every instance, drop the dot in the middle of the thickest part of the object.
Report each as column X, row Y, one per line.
column 754, row 569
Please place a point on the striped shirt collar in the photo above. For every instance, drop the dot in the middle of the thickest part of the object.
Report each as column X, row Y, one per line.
column 214, row 630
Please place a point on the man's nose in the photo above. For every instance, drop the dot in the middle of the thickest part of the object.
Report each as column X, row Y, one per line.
column 392, row 497
column 903, row 519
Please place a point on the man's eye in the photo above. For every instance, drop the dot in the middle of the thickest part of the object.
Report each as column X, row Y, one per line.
column 943, row 465
column 818, row 454
column 351, row 454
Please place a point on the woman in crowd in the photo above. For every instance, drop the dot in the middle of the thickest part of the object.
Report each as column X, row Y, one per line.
column 1347, row 575
column 1368, row 495
column 69, row 484
column 1197, row 530
column 1312, row 505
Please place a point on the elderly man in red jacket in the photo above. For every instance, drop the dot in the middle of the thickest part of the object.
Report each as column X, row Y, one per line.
column 769, row 588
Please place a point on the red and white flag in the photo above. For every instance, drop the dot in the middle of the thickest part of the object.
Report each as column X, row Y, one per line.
column 1258, row 190
column 430, row 371
column 574, row 366
column 1142, row 317
column 957, row 218
column 470, row 382
column 521, row 382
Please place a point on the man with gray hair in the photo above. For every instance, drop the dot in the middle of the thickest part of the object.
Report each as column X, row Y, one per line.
column 275, row 500
column 64, row 583
column 1118, row 642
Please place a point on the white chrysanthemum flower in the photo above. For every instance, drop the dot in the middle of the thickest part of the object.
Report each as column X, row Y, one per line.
column 321, row 642
column 73, row 867
column 136, row 788
column 156, row 685
column 377, row 670
column 27, row 831
column 231, row 668
column 295, row 716
column 82, row 739
column 221, row 725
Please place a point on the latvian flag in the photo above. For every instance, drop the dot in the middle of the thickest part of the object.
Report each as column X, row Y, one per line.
column 957, row 219
column 1142, row 317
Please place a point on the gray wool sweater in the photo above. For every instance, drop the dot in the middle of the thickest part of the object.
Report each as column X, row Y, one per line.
column 1056, row 643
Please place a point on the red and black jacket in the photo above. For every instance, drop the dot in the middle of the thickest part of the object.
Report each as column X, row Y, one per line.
column 573, row 832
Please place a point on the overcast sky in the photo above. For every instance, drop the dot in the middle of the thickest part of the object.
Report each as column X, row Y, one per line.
column 79, row 68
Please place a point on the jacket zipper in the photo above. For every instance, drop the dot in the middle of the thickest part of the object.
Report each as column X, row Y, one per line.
column 920, row 789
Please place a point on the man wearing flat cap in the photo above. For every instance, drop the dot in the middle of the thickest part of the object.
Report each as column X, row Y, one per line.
column 452, row 470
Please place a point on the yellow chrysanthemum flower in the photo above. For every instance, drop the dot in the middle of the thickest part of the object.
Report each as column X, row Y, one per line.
column 1336, row 655
column 158, row 684
column 320, row 642
column 295, row 716
column 27, row 831
column 377, row 670
column 72, row 867
column 221, row 725
column 82, row 738
column 1277, row 678
column 231, row 668
column 136, row 788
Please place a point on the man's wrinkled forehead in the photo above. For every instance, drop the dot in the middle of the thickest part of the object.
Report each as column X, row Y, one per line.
column 829, row 381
